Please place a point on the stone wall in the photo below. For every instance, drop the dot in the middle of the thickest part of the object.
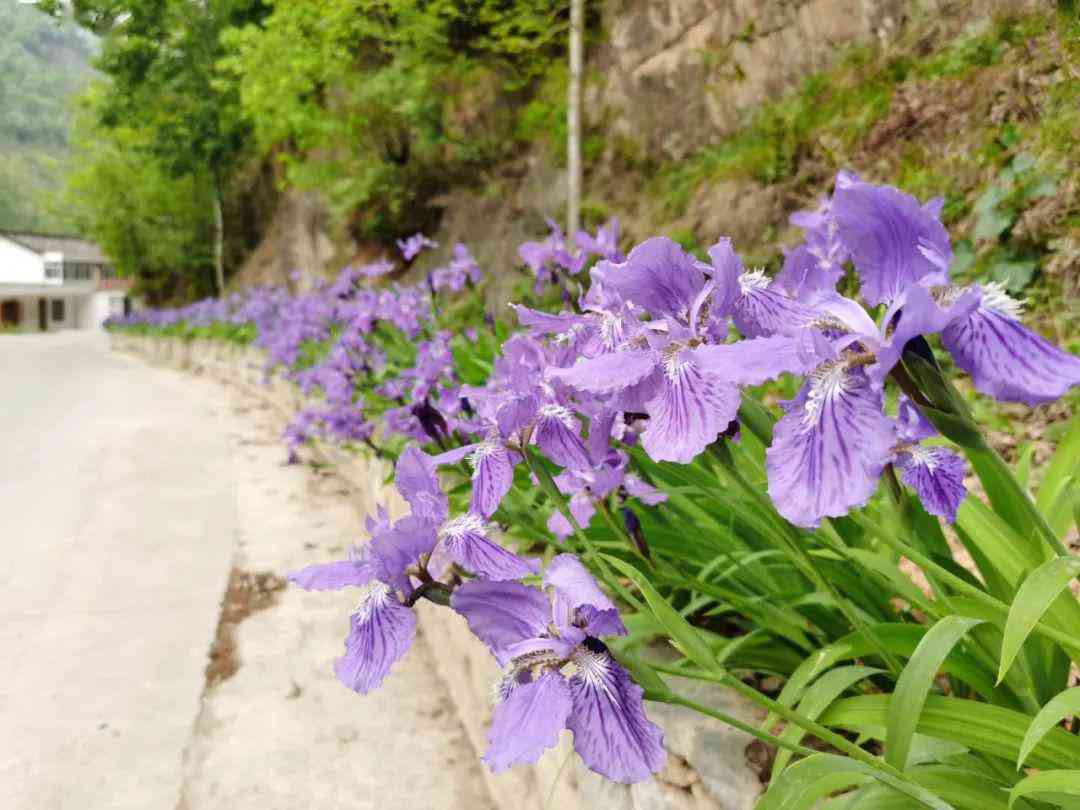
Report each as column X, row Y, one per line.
column 708, row 763
column 675, row 75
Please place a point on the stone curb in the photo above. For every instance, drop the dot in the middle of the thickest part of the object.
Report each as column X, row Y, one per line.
column 708, row 767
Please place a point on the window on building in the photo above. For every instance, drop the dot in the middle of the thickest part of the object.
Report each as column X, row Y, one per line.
column 78, row 271
column 58, row 309
column 54, row 270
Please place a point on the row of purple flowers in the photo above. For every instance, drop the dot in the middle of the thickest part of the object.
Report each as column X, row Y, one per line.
column 654, row 349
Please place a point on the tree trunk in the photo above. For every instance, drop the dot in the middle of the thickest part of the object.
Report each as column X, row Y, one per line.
column 573, row 119
column 219, row 242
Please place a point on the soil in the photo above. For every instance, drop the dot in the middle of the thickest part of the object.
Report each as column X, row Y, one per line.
column 245, row 594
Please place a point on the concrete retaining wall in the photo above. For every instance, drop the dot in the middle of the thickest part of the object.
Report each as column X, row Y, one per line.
column 708, row 766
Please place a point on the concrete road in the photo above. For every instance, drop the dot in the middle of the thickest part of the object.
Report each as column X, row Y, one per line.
column 117, row 516
column 127, row 493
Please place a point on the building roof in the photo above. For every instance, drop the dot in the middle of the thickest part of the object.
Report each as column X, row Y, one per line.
column 73, row 248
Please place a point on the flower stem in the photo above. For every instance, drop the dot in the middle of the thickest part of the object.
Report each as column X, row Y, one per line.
column 823, row 733
column 547, row 483
column 769, row 739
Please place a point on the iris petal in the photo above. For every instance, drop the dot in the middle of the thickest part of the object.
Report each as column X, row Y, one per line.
column 828, row 451
column 753, row 361
column 1006, row 360
column 763, row 310
column 465, row 541
column 502, row 614
column 894, row 241
column 607, row 373
column 574, row 589
column 416, row 480
column 687, row 414
column 658, row 276
column 611, row 732
column 333, row 576
column 493, row 476
column 937, row 476
column 381, row 632
column 528, row 721
column 558, row 434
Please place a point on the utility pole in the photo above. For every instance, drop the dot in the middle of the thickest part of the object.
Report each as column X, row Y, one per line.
column 219, row 246
column 573, row 119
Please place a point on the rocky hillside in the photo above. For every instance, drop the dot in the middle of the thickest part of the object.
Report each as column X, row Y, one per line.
column 707, row 117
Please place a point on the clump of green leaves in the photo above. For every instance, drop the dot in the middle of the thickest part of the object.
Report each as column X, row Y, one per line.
column 383, row 104
column 996, row 211
column 155, row 225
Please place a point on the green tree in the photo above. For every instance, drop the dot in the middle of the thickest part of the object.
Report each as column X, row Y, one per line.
column 381, row 104
column 160, row 57
column 154, row 222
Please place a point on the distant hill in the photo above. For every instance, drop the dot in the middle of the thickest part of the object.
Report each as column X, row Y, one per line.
column 43, row 63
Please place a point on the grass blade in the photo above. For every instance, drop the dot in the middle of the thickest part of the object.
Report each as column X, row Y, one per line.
column 1034, row 597
column 1052, row 786
column 906, row 702
column 817, row 699
column 1063, row 465
column 688, row 639
column 978, row 726
column 1063, row 705
column 810, row 779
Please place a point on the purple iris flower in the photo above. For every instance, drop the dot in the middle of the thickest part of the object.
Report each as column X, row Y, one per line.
column 606, row 242
column 535, row 636
column 396, row 563
column 413, row 246
column 585, row 487
column 347, row 423
column 548, row 257
column 381, row 628
column 815, row 266
column 934, row 472
column 653, row 370
column 834, row 440
column 553, row 428
column 461, row 270
column 901, row 252
column 464, row 539
column 519, row 406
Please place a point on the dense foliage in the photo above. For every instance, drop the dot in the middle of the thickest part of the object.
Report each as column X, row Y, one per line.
column 381, row 104
column 918, row 617
column 159, row 126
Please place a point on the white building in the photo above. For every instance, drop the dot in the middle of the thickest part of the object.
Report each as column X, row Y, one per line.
column 56, row 282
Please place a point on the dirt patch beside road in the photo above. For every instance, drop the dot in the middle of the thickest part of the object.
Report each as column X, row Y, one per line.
column 245, row 594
